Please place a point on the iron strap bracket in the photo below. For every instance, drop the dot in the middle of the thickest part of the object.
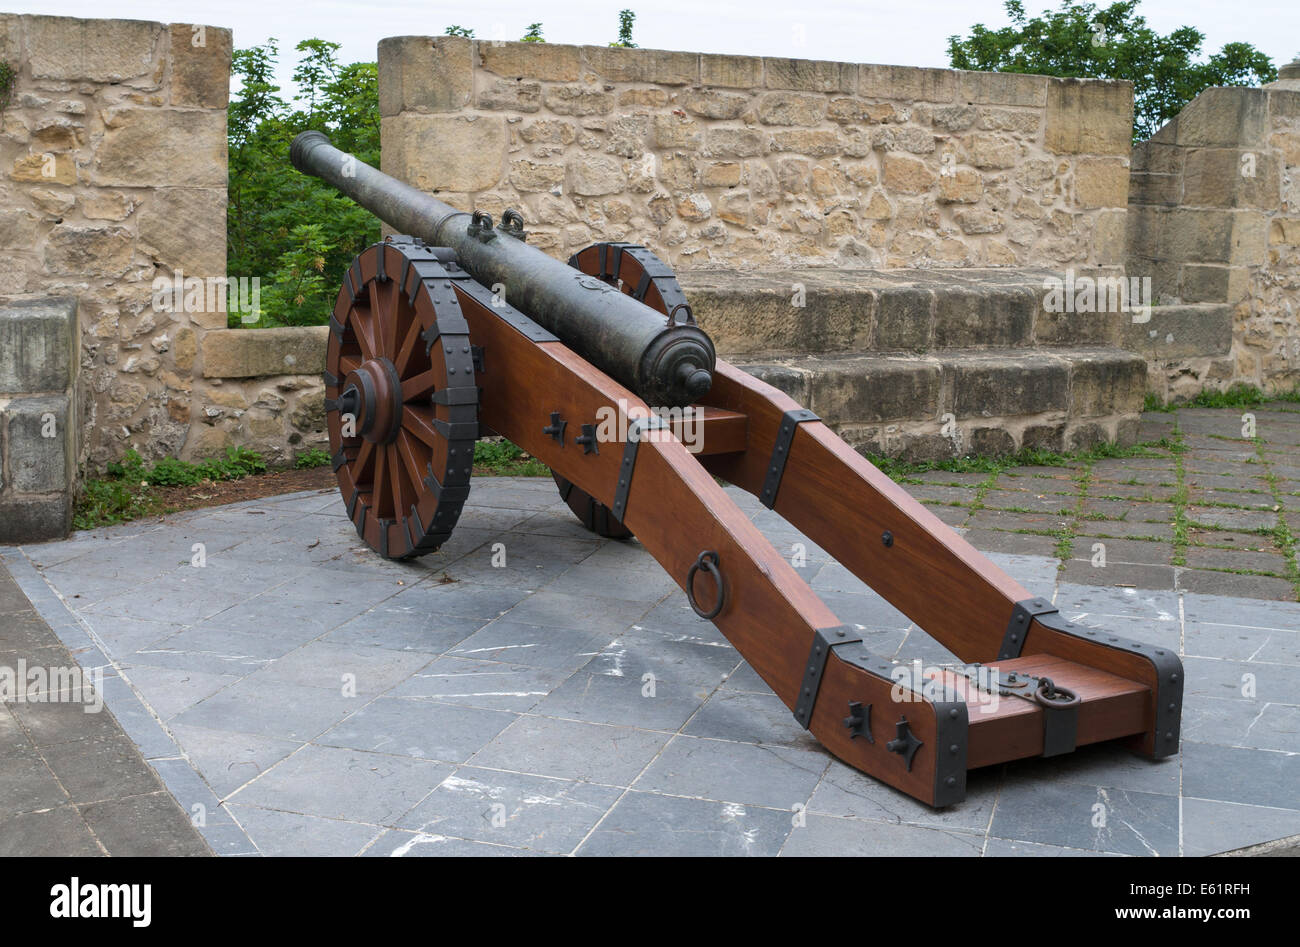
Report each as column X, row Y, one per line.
column 951, row 741
column 1022, row 615
column 353, row 283
column 454, row 396
column 825, row 640
column 780, row 451
column 628, row 465
column 1060, row 729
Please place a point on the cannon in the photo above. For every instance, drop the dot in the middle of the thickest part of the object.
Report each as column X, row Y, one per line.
column 597, row 368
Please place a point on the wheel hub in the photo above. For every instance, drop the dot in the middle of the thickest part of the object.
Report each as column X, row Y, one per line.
column 373, row 396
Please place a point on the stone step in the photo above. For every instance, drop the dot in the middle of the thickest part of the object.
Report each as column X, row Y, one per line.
column 961, row 401
column 769, row 312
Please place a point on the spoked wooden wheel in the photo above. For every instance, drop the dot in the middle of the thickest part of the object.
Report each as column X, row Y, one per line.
column 401, row 400
column 643, row 276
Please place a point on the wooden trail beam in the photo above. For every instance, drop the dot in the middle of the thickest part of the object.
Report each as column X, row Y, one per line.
column 919, row 564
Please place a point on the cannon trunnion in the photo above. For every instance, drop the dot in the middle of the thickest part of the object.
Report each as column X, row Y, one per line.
column 462, row 327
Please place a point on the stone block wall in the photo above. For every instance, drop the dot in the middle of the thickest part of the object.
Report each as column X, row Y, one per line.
column 260, row 389
column 716, row 160
column 112, row 174
column 40, row 431
column 1214, row 221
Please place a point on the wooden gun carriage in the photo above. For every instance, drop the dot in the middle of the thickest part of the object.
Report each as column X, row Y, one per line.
column 462, row 327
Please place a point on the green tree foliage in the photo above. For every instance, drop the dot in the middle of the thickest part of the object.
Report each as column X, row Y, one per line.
column 534, row 34
column 294, row 232
column 458, row 31
column 1084, row 40
column 625, row 20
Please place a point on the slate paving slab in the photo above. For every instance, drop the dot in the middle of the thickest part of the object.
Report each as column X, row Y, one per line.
column 748, row 773
column 648, row 824
column 321, row 701
column 292, row 834
column 624, row 702
column 540, row 813
column 570, row 749
column 417, row 728
column 346, row 784
column 397, row 843
column 823, row 836
column 1091, row 818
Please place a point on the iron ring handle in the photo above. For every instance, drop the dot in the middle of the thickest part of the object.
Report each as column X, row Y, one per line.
column 1049, row 695
column 690, row 316
column 511, row 219
column 708, row 561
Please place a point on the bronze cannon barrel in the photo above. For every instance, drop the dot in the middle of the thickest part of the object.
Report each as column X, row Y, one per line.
column 668, row 363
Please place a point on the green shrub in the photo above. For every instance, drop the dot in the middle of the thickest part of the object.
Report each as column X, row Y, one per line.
column 312, row 458
column 504, row 459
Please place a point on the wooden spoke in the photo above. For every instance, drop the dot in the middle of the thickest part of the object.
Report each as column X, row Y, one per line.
column 419, row 421
column 409, row 345
column 418, row 386
column 410, row 452
column 380, row 483
column 365, row 332
column 397, row 475
column 365, row 458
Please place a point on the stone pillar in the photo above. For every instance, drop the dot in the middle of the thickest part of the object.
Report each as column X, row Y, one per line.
column 1288, row 77
column 39, row 430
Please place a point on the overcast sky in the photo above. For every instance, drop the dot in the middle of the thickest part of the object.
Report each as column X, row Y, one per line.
column 901, row 32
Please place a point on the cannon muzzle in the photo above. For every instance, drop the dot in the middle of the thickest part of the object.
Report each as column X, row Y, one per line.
column 669, row 363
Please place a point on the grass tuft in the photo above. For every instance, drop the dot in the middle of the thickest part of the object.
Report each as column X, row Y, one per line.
column 126, row 491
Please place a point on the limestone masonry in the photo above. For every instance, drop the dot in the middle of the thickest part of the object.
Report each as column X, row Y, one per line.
column 734, row 160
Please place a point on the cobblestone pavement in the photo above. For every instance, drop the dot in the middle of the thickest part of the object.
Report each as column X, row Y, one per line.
column 315, row 699
column 1215, row 513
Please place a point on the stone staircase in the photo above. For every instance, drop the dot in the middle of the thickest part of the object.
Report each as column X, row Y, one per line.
column 931, row 364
